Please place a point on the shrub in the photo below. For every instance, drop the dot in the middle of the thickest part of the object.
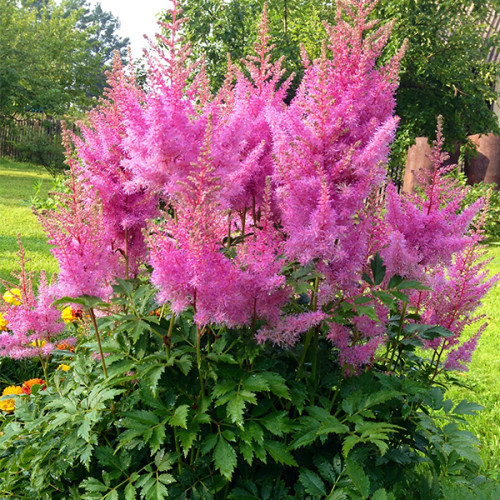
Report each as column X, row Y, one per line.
column 251, row 318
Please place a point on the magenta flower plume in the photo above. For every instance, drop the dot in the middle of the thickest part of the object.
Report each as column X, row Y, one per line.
column 101, row 152
column 165, row 130
column 34, row 323
column 332, row 141
column 427, row 228
column 81, row 246
column 189, row 267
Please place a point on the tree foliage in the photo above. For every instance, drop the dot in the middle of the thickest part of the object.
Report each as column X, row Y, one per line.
column 446, row 70
column 53, row 55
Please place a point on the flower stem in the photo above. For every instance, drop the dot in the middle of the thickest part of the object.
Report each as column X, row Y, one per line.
column 98, row 337
column 199, row 334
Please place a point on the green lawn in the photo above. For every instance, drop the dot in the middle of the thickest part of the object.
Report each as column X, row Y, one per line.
column 483, row 379
column 16, row 188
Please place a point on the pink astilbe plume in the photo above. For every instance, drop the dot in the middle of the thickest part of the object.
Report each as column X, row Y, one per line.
column 101, row 152
column 165, row 133
column 331, row 143
column 262, row 283
column 455, row 298
column 427, row 228
column 82, row 247
column 242, row 142
column 34, row 324
column 189, row 267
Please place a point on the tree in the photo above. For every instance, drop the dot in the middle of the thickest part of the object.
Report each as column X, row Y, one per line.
column 445, row 72
column 53, row 57
column 102, row 27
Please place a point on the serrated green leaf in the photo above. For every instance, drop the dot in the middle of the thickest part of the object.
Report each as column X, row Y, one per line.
column 235, row 409
column 279, row 453
column 367, row 279
column 411, row 284
column 399, row 295
column 395, row 281
column 363, row 300
column 277, row 384
column 93, row 484
column 378, row 269
column 337, row 495
column 224, row 458
column 467, row 408
column 367, row 311
column 256, row 383
column 208, row 443
column 385, row 298
column 277, row 423
column 380, row 494
column 312, row 483
column 332, row 425
column 179, row 418
column 130, row 492
column 349, row 443
column 358, row 477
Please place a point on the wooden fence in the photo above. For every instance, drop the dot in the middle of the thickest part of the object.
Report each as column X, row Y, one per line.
column 34, row 140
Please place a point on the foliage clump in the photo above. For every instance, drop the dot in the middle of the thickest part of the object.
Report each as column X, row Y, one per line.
column 254, row 315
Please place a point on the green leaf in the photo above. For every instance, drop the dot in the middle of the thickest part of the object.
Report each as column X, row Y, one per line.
column 179, row 418
column 208, row 443
column 386, row 298
column 337, row 495
column 92, row 484
column 380, row 494
column 312, row 483
column 277, row 384
column 368, row 311
column 332, row 425
column 395, row 281
column 235, row 409
column 279, row 453
column 349, row 443
column 411, row 284
column 363, row 300
column 224, row 458
column 277, row 423
column 378, row 269
column 467, row 408
column 256, row 383
column 367, row 278
column 130, row 492
column 399, row 295
column 358, row 477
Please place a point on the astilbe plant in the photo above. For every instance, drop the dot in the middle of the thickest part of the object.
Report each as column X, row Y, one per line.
column 33, row 323
column 267, row 339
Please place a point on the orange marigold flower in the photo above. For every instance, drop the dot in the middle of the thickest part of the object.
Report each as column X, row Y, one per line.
column 3, row 323
column 65, row 346
column 8, row 405
column 64, row 367
column 31, row 382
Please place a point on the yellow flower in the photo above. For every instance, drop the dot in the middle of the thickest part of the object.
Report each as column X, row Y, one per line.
column 3, row 323
column 13, row 296
column 38, row 343
column 8, row 405
column 64, row 367
column 69, row 315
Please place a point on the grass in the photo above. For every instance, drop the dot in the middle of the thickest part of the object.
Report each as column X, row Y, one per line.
column 17, row 182
column 481, row 383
